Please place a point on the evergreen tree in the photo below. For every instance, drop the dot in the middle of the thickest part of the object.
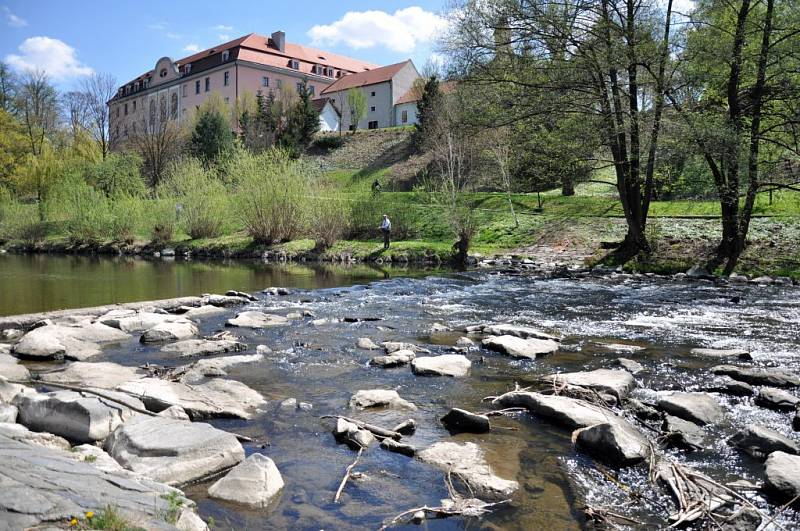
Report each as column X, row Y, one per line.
column 212, row 137
column 427, row 105
column 306, row 116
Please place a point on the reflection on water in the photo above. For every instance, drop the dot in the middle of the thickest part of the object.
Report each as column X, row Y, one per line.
column 37, row 283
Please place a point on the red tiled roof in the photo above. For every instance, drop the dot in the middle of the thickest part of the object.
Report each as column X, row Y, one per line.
column 415, row 93
column 369, row 77
column 319, row 104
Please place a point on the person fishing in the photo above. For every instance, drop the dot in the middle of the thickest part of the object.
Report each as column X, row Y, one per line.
column 386, row 229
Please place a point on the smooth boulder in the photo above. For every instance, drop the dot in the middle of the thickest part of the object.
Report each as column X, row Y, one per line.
column 254, row 319
column 454, row 365
column 367, row 398
column 460, row 420
column 524, row 332
column 759, row 441
column 518, row 347
column 722, row 353
column 617, row 383
column 137, row 321
column 11, row 369
column 782, row 473
column 366, row 344
column 55, row 341
column 754, row 376
column 170, row 331
column 395, row 359
column 255, row 482
column 700, row 408
column 173, row 451
column 203, row 347
column 569, row 412
column 101, row 375
column 777, row 399
column 615, row 443
column 683, row 434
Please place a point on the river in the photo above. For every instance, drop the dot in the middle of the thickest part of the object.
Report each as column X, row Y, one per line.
column 321, row 365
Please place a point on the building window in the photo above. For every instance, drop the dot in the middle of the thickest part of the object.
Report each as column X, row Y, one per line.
column 163, row 73
column 163, row 108
column 404, row 117
column 126, row 109
column 265, row 81
column 227, row 99
column 125, row 130
column 299, row 87
column 372, row 93
column 311, row 89
column 208, row 84
column 174, row 105
column 187, row 69
column 226, row 55
column 152, row 111
column 226, row 78
column 134, row 106
column 280, row 83
column 372, row 125
column 197, row 87
column 372, row 109
column 294, row 64
column 117, row 112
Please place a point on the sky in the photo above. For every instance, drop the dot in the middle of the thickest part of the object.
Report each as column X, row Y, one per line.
column 72, row 39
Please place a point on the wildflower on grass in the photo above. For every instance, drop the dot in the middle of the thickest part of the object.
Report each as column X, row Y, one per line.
column 73, row 522
column 89, row 514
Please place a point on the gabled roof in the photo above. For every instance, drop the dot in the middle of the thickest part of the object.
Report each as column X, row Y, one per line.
column 319, row 104
column 369, row 77
column 415, row 93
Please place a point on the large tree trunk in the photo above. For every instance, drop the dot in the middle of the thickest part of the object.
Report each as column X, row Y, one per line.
column 567, row 185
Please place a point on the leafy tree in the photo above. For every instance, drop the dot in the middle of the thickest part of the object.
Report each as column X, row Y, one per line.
column 357, row 105
column 13, row 146
column 8, row 85
column 211, row 137
column 117, row 175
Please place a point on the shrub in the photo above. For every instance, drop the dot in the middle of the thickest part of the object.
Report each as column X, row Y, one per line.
column 271, row 195
column 21, row 222
column 202, row 198
column 117, row 174
column 328, row 220
column 127, row 214
column 163, row 221
column 366, row 213
column 329, row 142
column 84, row 212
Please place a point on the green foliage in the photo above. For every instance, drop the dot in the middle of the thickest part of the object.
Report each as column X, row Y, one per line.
column 329, row 216
column 127, row 215
column 117, row 174
column 110, row 519
column 202, row 197
column 163, row 221
column 329, row 142
column 174, row 501
column 21, row 222
column 303, row 121
column 84, row 212
column 368, row 209
column 212, row 137
column 357, row 103
column 427, row 106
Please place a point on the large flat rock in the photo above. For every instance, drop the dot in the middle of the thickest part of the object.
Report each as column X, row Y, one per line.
column 524, row 332
column 518, row 347
column 173, row 451
column 137, row 321
column 759, row 441
column 569, row 412
column 756, row 376
column 78, row 417
column 20, row 433
column 255, row 319
column 254, row 482
column 614, row 382
column 203, row 347
column 700, row 408
column 170, row 331
column 215, row 397
column 444, row 365
column 42, row 487
column 467, row 462
column 777, row 399
column 68, row 342
column 102, row 375
column 367, row 398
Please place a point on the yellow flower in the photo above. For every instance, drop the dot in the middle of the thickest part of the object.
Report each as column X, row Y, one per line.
column 89, row 514
column 73, row 522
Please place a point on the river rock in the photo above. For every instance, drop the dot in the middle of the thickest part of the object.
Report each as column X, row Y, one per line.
column 174, row 412
column 11, row 334
column 254, row 319
column 96, row 456
column 722, row 353
column 68, row 342
column 683, row 434
column 407, row 427
column 8, row 413
column 633, row 367
column 700, row 408
column 138, row 321
column 367, row 398
column 101, row 375
column 728, row 386
column 276, row 291
column 254, row 482
column 467, row 462
column 170, row 331
column 366, row 344
column 200, row 312
column 224, row 301
column 349, row 432
column 614, row 443
column 393, row 346
column 641, row 410
column 395, row 359
column 190, row 521
column 211, row 367
column 191, row 451
column 755, row 376
column 398, row 447
column 203, row 347
column 758, row 441
column 11, row 369
column 614, row 382
column 78, row 417
column 46, row 488
column 234, row 293
column 444, row 365
column 782, row 473
column 520, row 348
column 569, row 412
column 777, row 399
column 215, row 397
column 465, row 342
column 8, row 390
column 524, row 332
column 459, row 421
column 20, row 433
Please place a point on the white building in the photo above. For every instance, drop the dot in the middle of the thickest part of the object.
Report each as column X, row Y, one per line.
column 328, row 115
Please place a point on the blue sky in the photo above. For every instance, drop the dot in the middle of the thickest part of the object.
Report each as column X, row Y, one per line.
column 70, row 39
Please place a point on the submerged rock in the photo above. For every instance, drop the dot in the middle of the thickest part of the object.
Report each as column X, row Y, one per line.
column 444, row 365
column 460, row 420
column 614, row 382
column 46, row 488
column 614, row 443
column 467, row 462
column 758, row 441
column 777, row 399
column 722, row 353
column 520, row 348
column 191, row 451
column 79, row 417
column 255, row 482
column 633, row 367
column 366, row 344
column 101, row 375
column 683, row 434
column 754, row 376
column 569, row 412
column 204, row 347
column 395, row 359
column 699, row 408
column 393, row 346
column 170, row 331
column 524, row 332
column 254, row 319
column 782, row 473
column 367, row 398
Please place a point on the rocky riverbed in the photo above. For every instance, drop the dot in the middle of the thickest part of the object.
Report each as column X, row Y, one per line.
column 527, row 402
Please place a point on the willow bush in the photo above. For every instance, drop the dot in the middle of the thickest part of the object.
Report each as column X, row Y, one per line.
column 20, row 222
column 201, row 196
column 328, row 220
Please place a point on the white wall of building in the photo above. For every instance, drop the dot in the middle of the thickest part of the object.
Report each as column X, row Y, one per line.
column 407, row 110
column 328, row 118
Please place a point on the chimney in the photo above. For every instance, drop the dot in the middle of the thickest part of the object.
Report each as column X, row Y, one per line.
column 279, row 40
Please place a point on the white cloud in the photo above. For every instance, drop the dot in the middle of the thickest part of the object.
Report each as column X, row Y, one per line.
column 223, row 27
column 53, row 56
column 13, row 20
column 171, row 35
column 683, row 6
column 401, row 32
column 193, row 48
column 223, row 37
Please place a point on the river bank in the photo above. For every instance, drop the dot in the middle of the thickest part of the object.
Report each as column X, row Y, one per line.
column 638, row 344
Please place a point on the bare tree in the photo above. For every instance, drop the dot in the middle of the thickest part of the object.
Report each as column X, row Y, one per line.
column 8, row 83
column 37, row 106
column 98, row 90
column 158, row 142
column 498, row 142
column 75, row 105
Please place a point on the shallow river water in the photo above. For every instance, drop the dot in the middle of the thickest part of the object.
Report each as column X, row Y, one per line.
column 321, row 365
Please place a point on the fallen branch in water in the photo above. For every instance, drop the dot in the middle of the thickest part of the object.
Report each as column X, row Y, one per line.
column 347, row 472
column 376, row 430
column 501, row 412
column 604, row 516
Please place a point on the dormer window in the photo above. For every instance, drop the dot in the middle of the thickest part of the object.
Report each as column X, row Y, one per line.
column 226, row 55
column 295, row 64
column 338, row 73
column 162, row 72
column 187, row 69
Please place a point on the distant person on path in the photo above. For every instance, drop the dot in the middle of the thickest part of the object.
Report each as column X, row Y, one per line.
column 376, row 187
column 386, row 228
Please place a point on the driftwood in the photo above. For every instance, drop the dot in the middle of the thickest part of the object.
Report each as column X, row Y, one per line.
column 604, row 516
column 347, row 473
column 376, row 430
